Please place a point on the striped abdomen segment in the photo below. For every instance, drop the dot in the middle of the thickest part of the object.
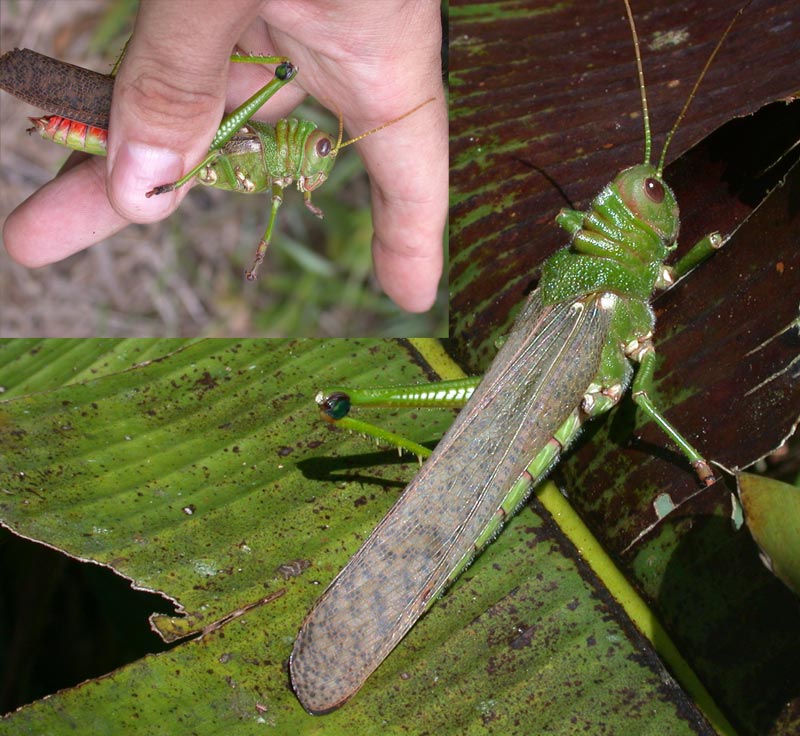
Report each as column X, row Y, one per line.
column 69, row 133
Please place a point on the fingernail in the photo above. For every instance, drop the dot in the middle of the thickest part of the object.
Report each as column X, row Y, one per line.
column 137, row 169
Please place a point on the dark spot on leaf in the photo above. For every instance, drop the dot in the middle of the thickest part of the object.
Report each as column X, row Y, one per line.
column 207, row 381
column 293, row 568
column 523, row 640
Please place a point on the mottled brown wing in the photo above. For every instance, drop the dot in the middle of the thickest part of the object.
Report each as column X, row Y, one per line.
column 536, row 381
column 56, row 87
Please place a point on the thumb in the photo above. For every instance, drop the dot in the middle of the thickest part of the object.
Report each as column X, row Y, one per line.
column 169, row 98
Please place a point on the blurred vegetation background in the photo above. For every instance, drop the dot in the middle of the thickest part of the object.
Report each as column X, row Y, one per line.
column 184, row 276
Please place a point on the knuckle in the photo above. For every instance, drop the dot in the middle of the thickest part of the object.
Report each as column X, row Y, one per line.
column 158, row 99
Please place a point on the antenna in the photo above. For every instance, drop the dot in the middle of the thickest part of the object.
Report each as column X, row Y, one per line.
column 697, row 85
column 647, row 138
column 340, row 145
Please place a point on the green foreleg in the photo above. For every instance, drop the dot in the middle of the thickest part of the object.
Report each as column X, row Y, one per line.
column 311, row 206
column 641, row 383
column 570, row 220
column 698, row 253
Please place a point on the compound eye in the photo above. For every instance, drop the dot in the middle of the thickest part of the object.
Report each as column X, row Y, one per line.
column 654, row 190
column 323, row 147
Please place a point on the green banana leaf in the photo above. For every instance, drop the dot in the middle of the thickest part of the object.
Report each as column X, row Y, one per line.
column 201, row 472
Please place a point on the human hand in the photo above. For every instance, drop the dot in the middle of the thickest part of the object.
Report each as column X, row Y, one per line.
column 374, row 61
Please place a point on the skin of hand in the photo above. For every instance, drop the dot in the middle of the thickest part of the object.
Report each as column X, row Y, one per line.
column 372, row 60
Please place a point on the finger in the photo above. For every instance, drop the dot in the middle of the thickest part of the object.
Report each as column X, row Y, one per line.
column 408, row 168
column 65, row 216
column 407, row 161
column 168, row 98
column 409, row 208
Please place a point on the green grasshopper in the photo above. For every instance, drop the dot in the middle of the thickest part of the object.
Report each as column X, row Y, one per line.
column 244, row 156
column 569, row 357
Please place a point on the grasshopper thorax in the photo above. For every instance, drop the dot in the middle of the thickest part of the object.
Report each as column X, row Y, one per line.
column 649, row 198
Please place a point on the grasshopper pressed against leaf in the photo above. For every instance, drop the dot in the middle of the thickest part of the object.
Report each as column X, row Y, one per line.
column 569, row 357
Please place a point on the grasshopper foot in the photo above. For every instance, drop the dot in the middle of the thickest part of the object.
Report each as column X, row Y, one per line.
column 704, row 472
column 261, row 252
column 163, row 189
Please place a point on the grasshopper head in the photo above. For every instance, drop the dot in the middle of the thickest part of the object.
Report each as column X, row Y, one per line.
column 649, row 198
column 321, row 149
column 319, row 156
